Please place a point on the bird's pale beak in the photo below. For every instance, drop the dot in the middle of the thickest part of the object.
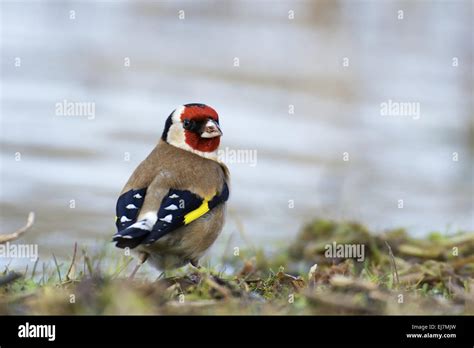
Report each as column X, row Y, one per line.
column 211, row 130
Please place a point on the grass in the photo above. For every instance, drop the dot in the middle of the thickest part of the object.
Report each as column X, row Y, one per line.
column 399, row 275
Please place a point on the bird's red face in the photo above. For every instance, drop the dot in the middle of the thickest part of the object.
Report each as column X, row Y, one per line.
column 201, row 127
column 194, row 127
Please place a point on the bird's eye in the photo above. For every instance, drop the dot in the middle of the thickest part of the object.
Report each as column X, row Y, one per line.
column 186, row 124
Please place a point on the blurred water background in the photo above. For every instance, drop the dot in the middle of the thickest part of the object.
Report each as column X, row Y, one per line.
column 285, row 65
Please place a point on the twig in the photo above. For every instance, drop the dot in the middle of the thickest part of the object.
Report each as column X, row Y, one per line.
column 393, row 264
column 226, row 293
column 15, row 235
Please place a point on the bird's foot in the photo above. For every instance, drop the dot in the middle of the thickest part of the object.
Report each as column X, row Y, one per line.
column 196, row 265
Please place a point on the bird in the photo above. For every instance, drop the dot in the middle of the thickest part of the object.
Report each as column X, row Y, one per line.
column 172, row 208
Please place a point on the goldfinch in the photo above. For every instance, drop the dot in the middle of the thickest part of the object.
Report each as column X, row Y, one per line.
column 172, row 208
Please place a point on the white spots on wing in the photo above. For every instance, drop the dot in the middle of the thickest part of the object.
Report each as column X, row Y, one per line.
column 174, row 195
column 140, row 225
column 171, row 207
column 125, row 219
column 167, row 218
column 131, row 206
column 143, row 225
column 127, row 237
column 137, row 196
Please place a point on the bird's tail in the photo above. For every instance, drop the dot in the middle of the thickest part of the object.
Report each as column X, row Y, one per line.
column 134, row 234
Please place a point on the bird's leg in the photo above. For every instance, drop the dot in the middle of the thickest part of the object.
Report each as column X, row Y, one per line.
column 195, row 264
column 196, row 271
column 142, row 257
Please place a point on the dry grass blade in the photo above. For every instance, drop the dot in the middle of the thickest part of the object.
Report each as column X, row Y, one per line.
column 122, row 268
column 72, row 268
column 33, row 272
column 57, row 268
column 392, row 262
column 15, row 235
column 87, row 263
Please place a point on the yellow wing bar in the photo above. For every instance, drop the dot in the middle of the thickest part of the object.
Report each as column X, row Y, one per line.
column 196, row 214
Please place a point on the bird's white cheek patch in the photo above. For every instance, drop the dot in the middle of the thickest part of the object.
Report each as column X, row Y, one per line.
column 176, row 136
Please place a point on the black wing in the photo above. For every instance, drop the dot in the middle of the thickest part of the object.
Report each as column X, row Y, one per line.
column 178, row 208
